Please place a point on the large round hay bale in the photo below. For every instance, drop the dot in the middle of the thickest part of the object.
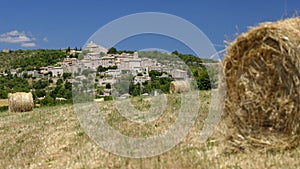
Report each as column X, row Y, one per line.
column 179, row 86
column 262, row 71
column 20, row 102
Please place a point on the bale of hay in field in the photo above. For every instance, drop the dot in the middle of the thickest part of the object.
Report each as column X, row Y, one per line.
column 179, row 86
column 99, row 100
column 262, row 71
column 20, row 102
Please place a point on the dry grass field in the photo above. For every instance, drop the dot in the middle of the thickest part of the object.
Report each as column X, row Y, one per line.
column 3, row 102
column 51, row 137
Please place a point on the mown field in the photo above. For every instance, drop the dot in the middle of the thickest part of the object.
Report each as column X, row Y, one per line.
column 51, row 137
column 3, row 102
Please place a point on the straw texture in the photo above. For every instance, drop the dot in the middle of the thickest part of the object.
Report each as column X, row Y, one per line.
column 20, row 102
column 262, row 71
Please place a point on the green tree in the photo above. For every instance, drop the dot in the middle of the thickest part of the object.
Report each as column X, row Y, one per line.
column 146, row 87
column 203, row 81
column 107, row 98
column 3, row 94
column 112, row 67
column 61, row 92
column 25, row 76
column 154, row 73
column 68, row 49
column 48, row 101
column 101, row 69
column 40, row 84
column 59, row 82
column 40, row 93
column 75, row 55
column 112, row 51
column 68, row 86
column 175, row 53
column 66, row 75
column 108, row 86
column 134, row 89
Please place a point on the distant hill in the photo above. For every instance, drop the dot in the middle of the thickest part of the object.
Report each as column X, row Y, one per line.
column 187, row 58
column 205, row 76
column 30, row 59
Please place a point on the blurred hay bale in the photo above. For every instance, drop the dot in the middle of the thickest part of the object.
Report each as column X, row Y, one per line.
column 20, row 102
column 262, row 71
column 179, row 86
column 99, row 100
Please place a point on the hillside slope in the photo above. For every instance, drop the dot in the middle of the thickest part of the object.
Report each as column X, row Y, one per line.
column 30, row 59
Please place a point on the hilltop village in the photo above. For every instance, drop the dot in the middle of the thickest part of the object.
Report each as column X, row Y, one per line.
column 109, row 68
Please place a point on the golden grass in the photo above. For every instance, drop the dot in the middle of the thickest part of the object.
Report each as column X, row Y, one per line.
column 51, row 137
column 3, row 102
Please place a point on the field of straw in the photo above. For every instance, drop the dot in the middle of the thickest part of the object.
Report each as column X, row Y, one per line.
column 51, row 137
column 3, row 102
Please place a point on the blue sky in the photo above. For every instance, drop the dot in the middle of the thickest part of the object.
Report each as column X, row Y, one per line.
column 54, row 24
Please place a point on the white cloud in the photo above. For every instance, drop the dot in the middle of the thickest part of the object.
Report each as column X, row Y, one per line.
column 45, row 39
column 31, row 44
column 12, row 33
column 18, row 38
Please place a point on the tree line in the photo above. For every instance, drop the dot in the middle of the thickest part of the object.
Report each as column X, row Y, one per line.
column 43, row 87
column 30, row 59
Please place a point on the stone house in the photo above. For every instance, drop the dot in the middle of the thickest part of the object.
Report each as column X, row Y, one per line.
column 33, row 73
column 113, row 72
column 57, row 71
column 179, row 74
column 107, row 61
column 141, row 79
